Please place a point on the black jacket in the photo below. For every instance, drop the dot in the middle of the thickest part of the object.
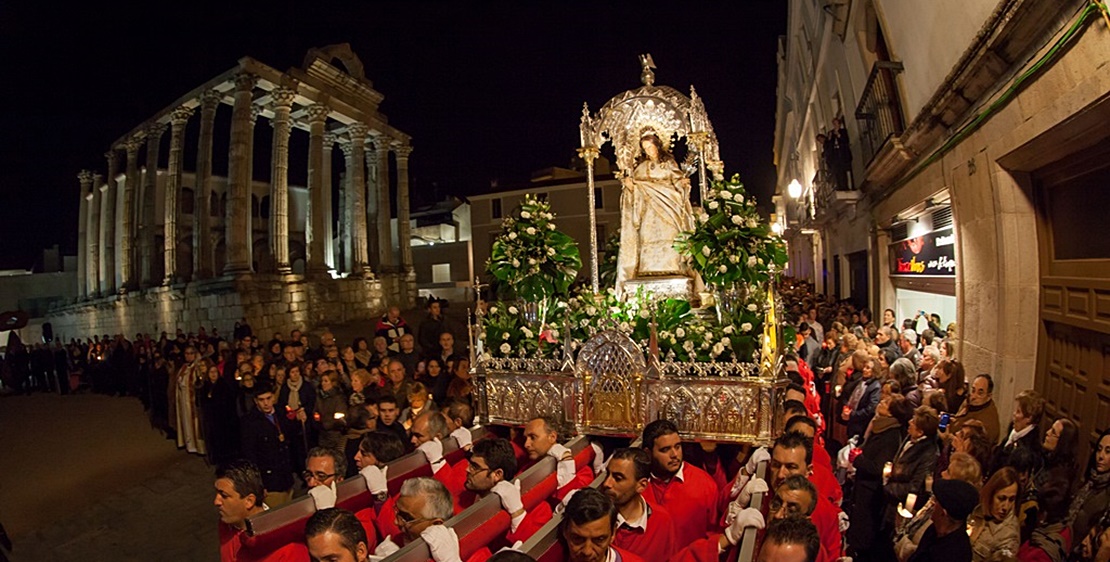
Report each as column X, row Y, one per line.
column 868, row 502
column 908, row 474
column 266, row 444
column 1001, row 455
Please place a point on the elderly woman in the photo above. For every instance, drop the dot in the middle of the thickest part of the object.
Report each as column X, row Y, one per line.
column 908, row 533
column 880, row 443
column 995, row 535
column 914, row 462
column 1024, row 429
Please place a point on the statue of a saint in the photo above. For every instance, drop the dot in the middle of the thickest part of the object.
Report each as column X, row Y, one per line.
column 655, row 208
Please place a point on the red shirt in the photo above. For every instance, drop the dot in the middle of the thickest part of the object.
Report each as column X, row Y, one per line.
column 231, row 540
column 826, row 518
column 826, row 484
column 690, row 497
column 652, row 537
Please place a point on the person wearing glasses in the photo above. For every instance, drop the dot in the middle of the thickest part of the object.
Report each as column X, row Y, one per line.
column 979, row 406
column 324, row 469
column 422, row 507
column 491, row 469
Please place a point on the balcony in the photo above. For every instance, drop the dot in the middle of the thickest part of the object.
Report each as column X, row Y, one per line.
column 879, row 113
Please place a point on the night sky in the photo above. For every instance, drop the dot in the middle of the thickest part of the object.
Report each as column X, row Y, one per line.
column 487, row 91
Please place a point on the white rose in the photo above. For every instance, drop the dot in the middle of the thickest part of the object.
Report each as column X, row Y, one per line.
column 527, row 333
column 739, row 198
column 644, row 313
column 727, row 330
column 737, row 220
column 664, row 335
column 752, row 261
column 760, row 260
column 512, row 236
column 530, row 230
column 714, row 204
column 752, row 223
column 551, row 226
column 584, row 322
column 513, row 310
column 551, row 251
column 516, row 263
column 688, row 346
column 680, row 332
column 746, row 327
column 614, row 310
column 485, row 356
column 723, row 269
column 525, row 215
column 726, row 195
column 706, row 251
column 753, row 307
column 493, row 310
column 718, row 349
column 727, row 342
column 505, row 348
column 734, row 258
column 505, row 336
column 531, row 261
column 624, row 327
column 592, row 311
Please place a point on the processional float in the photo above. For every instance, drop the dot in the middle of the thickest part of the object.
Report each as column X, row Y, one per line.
column 610, row 376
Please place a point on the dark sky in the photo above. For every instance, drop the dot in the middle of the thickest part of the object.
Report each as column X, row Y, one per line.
column 487, row 90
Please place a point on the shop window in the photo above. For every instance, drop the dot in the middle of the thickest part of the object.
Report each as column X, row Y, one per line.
column 1077, row 215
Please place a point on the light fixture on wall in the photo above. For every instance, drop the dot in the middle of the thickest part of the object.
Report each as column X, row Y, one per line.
column 794, row 190
column 776, row 227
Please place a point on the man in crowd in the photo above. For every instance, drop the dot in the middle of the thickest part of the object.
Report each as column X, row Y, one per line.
column 908, row 346
column 388, row 412
column 491, row 469
column 408, row 355
column 946, row 540
column 264, row 440
column 642, row 530
column 886, row 338
column 541, row 438
column 588, row 527
column 433, row 325
column 422, row 507
column 376, row 450
column 687, row 492
column 324, row 468
column 979, row 406
column 428, row 430
column 239, row 492
column 336, row 535
column 392, row 327
column 447, row 349
column 793, row 539
column 399, row 383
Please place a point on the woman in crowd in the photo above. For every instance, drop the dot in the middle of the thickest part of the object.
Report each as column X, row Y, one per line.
column 908, row 533
column 436, row 379
column 1024, row 428
column 852, row 370
column 971, row 438
column 954, row 384
column 994, row 525
column 363, row 356
column 244, row 397
column 347, row 361
column 1093, row 497
column 461, row 386
column 913, row 463
column 331, row 411
column 1061, row 451
column 880, row 443
column 297, row 400
column 217, row 399
column 863, row 400
column 1051, row 539
column 360, row 421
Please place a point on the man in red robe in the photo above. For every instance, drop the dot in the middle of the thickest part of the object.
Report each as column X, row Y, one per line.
column 793, row 455
column 588, row 527
column 642, row 530
column 491, row 469
column 541, row 438
column 335, row 534
column 239, row 494
column 687, row 493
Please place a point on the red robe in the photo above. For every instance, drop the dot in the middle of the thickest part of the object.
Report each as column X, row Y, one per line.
column 656, row 541
column 826, row 518
column 582, row 478
column 231, row 540
column 691, row 500
column 536, row 517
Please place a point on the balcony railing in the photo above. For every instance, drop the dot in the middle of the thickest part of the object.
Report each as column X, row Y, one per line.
column 879, row 113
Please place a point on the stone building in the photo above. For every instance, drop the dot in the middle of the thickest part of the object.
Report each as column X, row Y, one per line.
column 162, row 248
column 980, row 166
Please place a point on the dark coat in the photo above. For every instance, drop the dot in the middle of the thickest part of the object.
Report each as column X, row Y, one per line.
column 865, row 410
column 868, row 501
column 267, row 446
column 908, row 474
column 1001, row 455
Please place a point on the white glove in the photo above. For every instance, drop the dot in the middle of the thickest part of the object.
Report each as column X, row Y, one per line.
column 324, row 496
column 754, row 486
column 433, row 451
column 842, row 457
column 599, row 458
column 566, row 467
column 738, row 484
column 750, row 517
column 759, row 455
column 386, row 547
column 562, row 506
column 463, row 437
column 443, row 542
column 509, row 492
column 375, row 479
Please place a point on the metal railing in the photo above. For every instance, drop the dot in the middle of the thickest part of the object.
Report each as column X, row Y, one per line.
column 879, row 113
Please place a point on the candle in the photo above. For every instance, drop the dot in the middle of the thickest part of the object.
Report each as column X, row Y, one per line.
column 929, row 483
column 887, row 468
column 911, row 499
column 838, row 387
column 340, row 415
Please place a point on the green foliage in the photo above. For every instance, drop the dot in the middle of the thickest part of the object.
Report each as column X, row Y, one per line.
column 533, row 257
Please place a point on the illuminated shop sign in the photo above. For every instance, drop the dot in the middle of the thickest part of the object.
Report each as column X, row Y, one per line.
column 932, row 254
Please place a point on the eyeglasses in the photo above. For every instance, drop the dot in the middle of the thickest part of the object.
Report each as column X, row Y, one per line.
column 777, row 504
column 403, row 519
column 318, row 476
column 472, row 468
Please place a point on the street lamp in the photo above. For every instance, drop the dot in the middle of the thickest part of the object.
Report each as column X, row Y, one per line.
column 794, row 190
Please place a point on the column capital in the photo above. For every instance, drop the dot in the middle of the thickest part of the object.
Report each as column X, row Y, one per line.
column 347, row 148
column 132, row 145
column 317, row 112
column 154, row 131
column 329, row 140
column 402, row 150
column 104, row 188
column 256, row 110
column 283, row 97
column 85, row 177
column 358, row 132
column 210, row 100
column 180, row 115
column 110, row 156
column 245, row 81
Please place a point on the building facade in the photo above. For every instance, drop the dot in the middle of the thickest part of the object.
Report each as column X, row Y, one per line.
column 162, row 248
column 977, row 168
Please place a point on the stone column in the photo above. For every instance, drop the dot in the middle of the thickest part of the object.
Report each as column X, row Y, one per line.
column 385, row 234
column 279, row 179
column 150, row 184
column 93, row 236
column 359, row 259
column 108, row 227
column 126, row 256
column 315, row 232
column 329, row 228
column 237, row 232
column 178, row 120
column 372, row 245
column 345, row 205
column 85, row 179
column 404, row 232
column 203, row 260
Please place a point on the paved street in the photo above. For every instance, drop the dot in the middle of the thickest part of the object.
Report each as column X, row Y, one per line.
column 84, row 477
